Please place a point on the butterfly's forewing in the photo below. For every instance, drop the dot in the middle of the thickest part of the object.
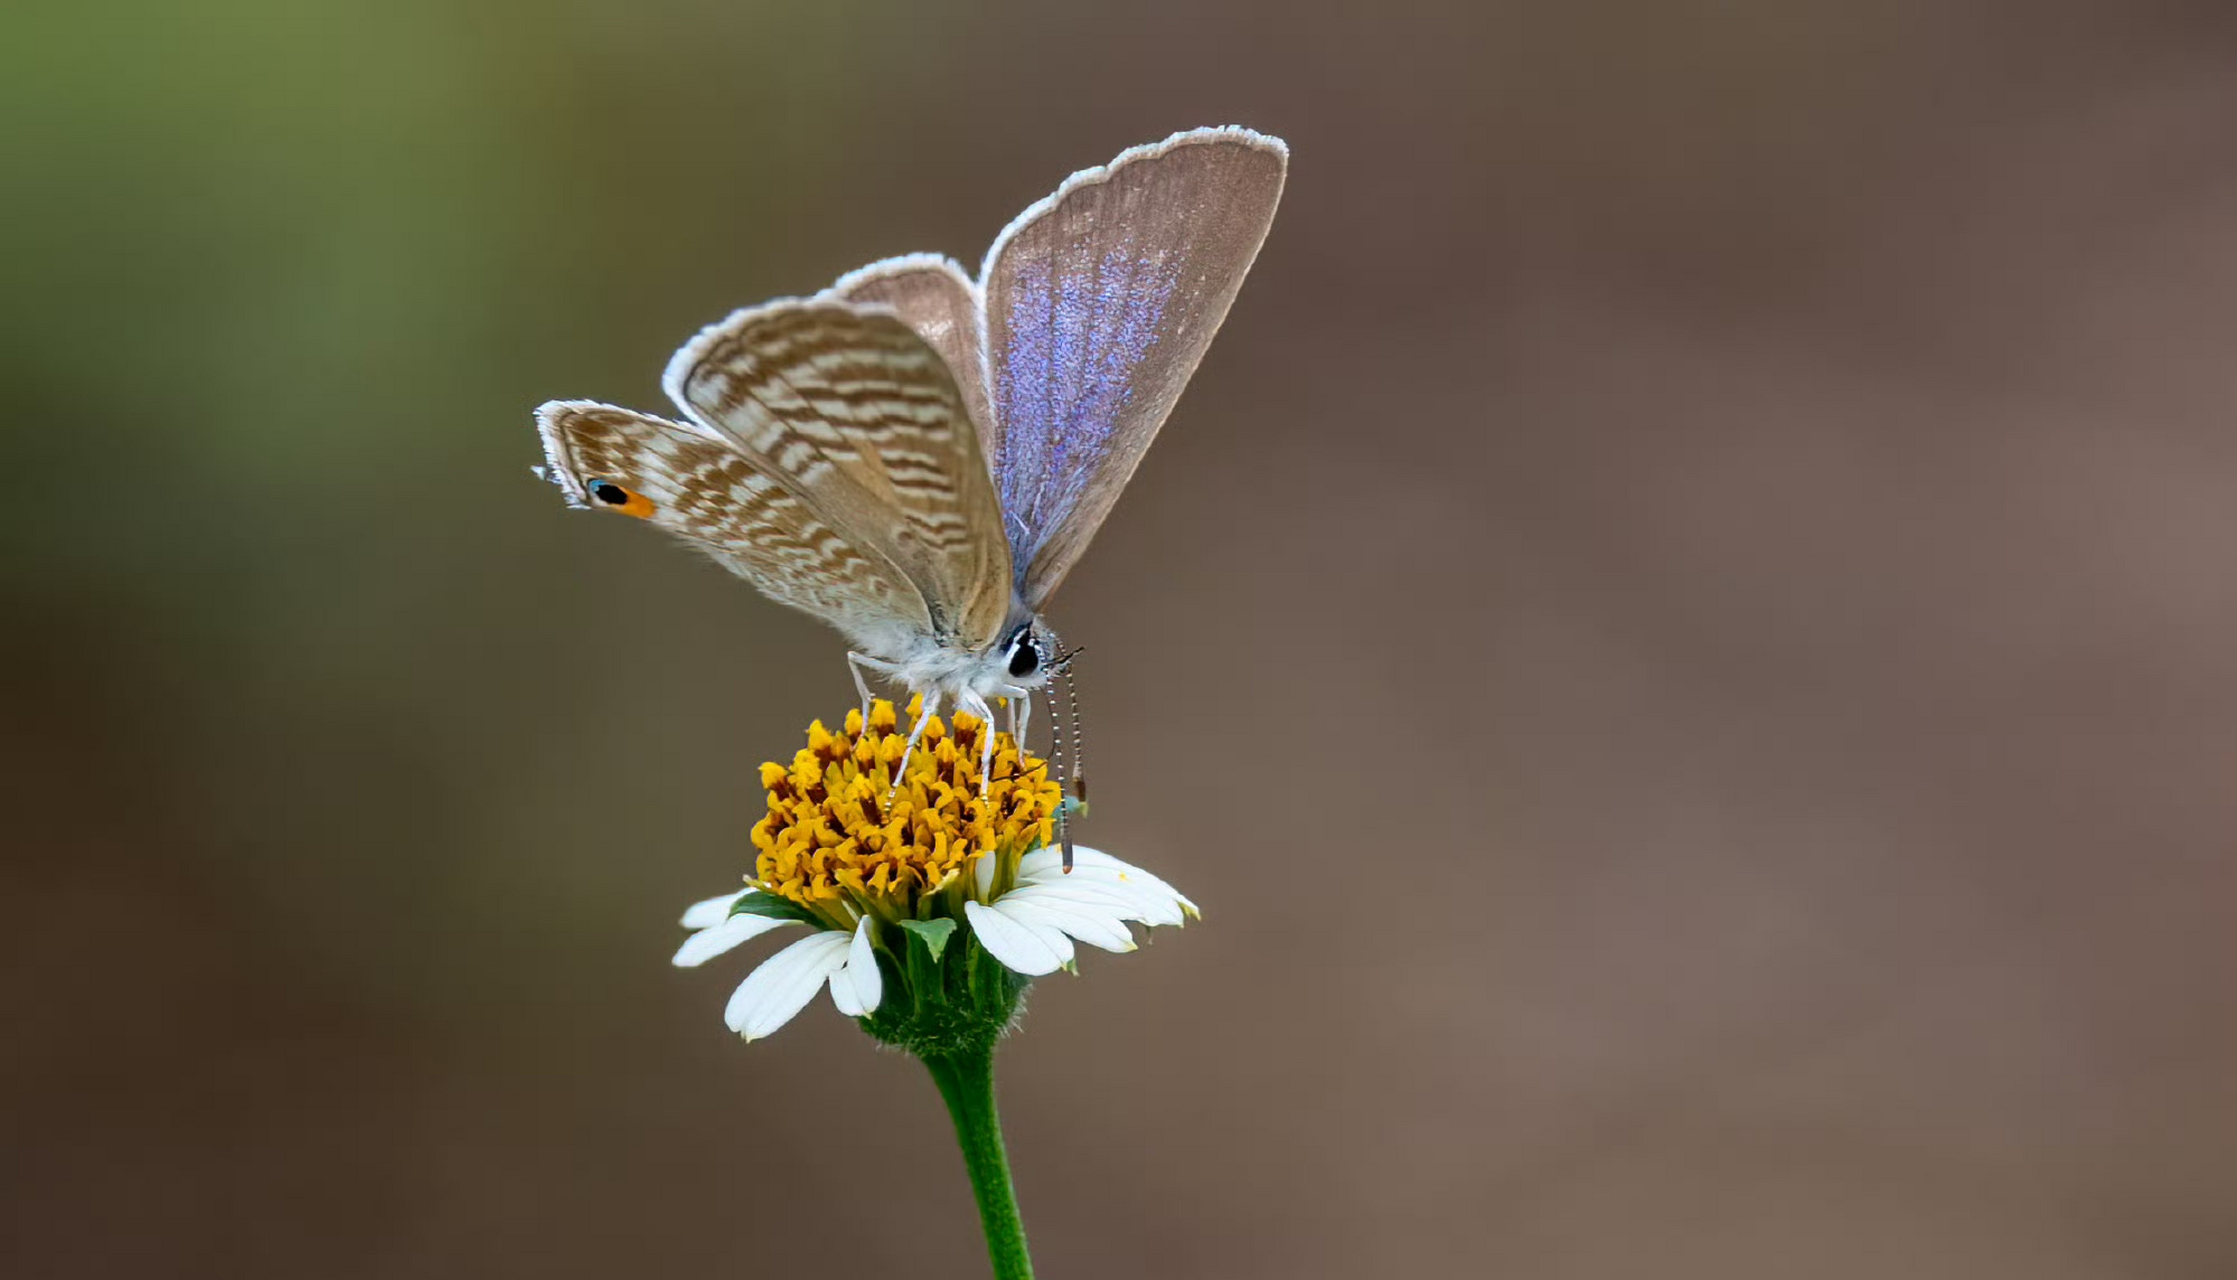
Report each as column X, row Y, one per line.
column 861, row 418
column 708, row 491
column 932, row 296
column 1099, row 302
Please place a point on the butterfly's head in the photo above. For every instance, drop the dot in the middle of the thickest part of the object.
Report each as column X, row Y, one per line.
column 1022, row 660
column 1025, row 652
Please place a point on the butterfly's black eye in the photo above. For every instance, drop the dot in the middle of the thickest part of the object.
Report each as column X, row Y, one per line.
column 1025, row 656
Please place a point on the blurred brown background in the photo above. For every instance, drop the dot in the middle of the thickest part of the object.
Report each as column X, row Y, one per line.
column 1685, row 637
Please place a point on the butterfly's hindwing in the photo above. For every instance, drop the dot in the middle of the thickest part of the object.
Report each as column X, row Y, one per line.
column 863, row 419
column 706, row 490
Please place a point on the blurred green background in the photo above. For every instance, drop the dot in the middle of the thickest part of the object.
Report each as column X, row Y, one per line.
column 1684, row 638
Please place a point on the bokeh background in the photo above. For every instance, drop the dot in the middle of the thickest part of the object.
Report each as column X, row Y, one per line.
column 1685, row 637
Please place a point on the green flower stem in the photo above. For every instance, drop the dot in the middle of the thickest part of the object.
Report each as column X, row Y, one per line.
column 966, row 1080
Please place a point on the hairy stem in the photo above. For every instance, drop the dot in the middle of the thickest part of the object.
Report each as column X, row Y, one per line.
column 966, row 1080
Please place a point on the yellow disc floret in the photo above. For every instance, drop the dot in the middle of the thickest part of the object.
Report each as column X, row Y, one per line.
column 840, row 832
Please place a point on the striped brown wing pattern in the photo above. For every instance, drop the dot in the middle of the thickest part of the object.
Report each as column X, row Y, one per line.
column 862, row 419
column 933, row 296
column 706, row 490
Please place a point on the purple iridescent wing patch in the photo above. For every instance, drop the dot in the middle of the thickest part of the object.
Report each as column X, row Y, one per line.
column 1074, row 342
column 1100, row 301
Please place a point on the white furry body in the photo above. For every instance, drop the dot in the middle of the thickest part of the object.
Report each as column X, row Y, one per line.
column 946, row 673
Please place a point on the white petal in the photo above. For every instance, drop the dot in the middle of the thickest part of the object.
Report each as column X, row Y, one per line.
column 1156, row 902
column 1107, row 896
column 1043, row 859
column 708, row 914
column 1094, row 926
column 1110, row 900
column 982, row 876
column 1131, row 877
column 1130, row 874
column 1148, row 906
column 771, row 994
column 1023, row 948
column 856, row 987
column 706, row 944
column 1048, row 863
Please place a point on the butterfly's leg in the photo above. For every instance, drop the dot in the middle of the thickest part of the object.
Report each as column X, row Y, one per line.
column 970, row 701
column 1021, row 719
column 931, row 705
column 856, row 663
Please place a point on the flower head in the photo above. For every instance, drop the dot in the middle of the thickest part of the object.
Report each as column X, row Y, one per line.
column 889, row 870
column 842, row 840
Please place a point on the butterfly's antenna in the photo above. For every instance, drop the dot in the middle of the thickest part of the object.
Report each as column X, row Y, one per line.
column 1071, row 762
column 1079, row 736
column 1056, row 757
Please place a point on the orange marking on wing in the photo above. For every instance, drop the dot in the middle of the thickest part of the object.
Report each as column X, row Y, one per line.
column 633, row 503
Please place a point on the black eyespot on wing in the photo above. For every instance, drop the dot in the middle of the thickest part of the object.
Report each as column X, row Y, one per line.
column 617, row 497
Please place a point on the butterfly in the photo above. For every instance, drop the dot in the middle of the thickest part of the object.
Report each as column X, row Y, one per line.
column 918, row 457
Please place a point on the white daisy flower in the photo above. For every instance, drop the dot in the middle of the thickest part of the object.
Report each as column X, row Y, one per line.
column 868, row 866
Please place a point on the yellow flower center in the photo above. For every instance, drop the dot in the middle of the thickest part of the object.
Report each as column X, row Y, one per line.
column 839, row 831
